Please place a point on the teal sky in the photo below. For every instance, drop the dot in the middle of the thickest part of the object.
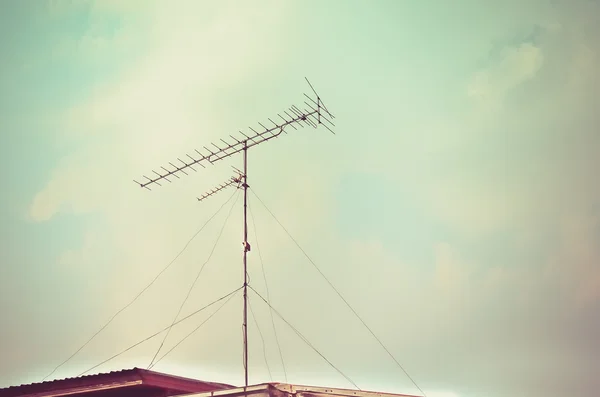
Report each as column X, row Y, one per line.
column 457, row 208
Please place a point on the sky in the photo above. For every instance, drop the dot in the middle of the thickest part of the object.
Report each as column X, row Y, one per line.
column 455, row 209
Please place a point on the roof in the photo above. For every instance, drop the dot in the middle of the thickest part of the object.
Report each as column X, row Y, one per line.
column 127, row 378
column 287, row 390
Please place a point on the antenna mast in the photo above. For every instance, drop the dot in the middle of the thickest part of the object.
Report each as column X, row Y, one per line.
column 246, row 249
column 315, row 114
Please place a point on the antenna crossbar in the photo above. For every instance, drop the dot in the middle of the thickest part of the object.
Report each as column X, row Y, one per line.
column 232, row 181
column 295, row 117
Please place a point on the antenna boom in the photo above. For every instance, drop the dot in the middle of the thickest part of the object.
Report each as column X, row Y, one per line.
column 311, row 117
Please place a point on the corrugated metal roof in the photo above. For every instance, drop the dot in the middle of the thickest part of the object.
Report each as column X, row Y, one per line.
column 111, row 373
column 145, row 377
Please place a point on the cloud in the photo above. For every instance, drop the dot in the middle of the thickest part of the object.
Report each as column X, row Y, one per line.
column 148, row 112
column 62, row 7
column 517, row 65
column 450, row 272
column 75, row 187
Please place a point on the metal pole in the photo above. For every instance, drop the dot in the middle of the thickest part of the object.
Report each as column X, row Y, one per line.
column 246, row 246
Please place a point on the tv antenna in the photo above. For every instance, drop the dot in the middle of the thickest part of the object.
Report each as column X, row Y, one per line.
column 313, row 114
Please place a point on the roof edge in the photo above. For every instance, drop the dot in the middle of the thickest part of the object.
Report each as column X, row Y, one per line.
column 115, row 379
column 289, row 388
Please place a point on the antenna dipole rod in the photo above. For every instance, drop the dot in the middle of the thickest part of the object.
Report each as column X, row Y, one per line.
column 246, row 249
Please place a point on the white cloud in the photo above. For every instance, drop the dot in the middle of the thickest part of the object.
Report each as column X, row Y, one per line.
column 60, row 7
column 152, row 111
column 74, row 258
column 516, row 66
